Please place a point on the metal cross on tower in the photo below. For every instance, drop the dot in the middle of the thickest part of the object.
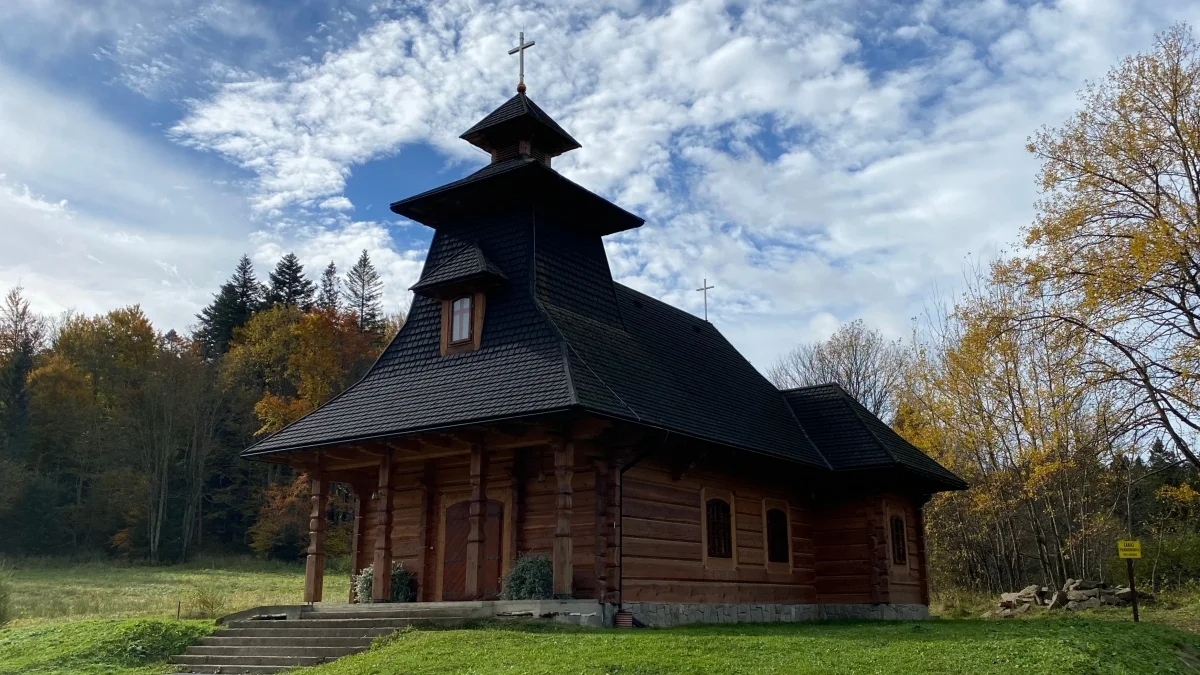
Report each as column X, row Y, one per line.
column 705, row 288
column 522, row 45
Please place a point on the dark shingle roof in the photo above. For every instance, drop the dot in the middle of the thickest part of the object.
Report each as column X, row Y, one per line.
column 521, row 110
column 648, row 370
column 519, row 179
column 850, row 437
column 469, row 264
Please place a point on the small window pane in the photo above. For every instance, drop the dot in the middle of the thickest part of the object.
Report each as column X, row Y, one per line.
column 777, row 536
column 899, row 542
column 460, row 320
column 720, row 533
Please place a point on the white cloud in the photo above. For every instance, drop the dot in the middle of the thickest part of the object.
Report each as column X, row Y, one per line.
column 94, row 217
column 817, row 161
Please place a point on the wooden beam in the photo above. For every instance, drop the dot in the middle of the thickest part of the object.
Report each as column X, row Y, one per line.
column 612, row 556
column 600, row 544
column 381, row 582
column 361, row 495
column 564, row 471
column 427, row 531
column 314, row 567
column 475, row 543
column 919, row 507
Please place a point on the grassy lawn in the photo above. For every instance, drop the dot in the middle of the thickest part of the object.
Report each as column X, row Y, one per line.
column 132, row 647
column 951, row 646
column 54, row 590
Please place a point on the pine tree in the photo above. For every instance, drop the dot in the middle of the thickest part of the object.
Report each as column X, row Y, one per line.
column 289, row 286
column 363, row 289
column 238, row 300
column 329, row 297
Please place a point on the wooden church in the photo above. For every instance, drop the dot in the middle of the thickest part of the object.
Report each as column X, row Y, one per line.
column 532, row 405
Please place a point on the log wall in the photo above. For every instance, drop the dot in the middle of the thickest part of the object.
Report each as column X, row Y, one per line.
column 662, row 549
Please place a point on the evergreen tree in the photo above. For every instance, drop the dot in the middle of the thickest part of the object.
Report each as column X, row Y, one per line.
column 238, row 300
column 289, row 286
column 329, row 297
column 363, row 289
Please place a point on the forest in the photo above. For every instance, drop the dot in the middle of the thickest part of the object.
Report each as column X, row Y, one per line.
column 117, row 439
column 1063, row 382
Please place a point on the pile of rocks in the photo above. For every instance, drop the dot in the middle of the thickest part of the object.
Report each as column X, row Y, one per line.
column 1075, row 595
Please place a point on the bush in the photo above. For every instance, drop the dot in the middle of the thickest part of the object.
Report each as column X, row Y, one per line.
column 404, row 584
column 6, row 593
column 531, row 578
column 143, row 641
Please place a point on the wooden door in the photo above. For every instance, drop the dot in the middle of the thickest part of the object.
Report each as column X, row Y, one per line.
column 454, row 559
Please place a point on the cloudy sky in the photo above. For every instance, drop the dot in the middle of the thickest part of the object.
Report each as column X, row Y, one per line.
column 817, row 162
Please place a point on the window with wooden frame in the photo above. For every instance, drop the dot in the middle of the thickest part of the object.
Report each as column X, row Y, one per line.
column 778, row 536
column 718, row 528
column 462, row 322
column 899, row 537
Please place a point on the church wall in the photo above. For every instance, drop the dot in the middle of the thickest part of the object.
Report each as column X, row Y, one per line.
column 529, row 524
column 662, row 543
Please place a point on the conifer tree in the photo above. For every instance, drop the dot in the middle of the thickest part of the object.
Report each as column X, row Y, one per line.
column 329, row 297
column 232, row 306
column 363, row 289
column 289, row 286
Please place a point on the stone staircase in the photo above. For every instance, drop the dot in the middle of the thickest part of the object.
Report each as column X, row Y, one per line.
column 273, row 639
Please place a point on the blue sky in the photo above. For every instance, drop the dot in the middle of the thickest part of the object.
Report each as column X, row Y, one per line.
column 818, row 161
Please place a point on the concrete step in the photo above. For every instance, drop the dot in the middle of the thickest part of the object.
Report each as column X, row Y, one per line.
column 285, row 641
column 303, row 633
column 284, row 650
column 239, row 661
column 375, row 622
column 391, row 611
column 231, row 670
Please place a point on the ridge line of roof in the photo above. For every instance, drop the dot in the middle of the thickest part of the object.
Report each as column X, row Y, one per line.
column 811, row 386
column 566, row 358
column 567, row 345
column 849, row 403
column 792, row 413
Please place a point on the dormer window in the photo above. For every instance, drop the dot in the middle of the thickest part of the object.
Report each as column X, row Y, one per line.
column 461, row 282
column 460, row 320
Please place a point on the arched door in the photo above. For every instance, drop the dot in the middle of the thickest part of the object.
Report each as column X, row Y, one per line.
column 454, row 556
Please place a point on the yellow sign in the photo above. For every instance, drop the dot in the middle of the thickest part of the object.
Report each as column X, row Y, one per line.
column 1129, row 549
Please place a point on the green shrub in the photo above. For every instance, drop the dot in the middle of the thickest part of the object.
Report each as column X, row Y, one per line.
column 531, row 578
column 144, row 641
column 6, row 594
column 404, row 584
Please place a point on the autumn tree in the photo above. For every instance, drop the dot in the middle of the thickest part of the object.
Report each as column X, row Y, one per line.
column 866, row 364
column 288, row 284
column 1115, row 247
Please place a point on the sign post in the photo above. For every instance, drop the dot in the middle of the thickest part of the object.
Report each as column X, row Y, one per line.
column 1131, row 550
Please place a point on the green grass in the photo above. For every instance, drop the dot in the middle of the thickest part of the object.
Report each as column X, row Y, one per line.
column 133, row 647
column 55, row 590
column 951, row 646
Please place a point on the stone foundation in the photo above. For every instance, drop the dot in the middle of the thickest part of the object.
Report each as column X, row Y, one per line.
column 677, row 614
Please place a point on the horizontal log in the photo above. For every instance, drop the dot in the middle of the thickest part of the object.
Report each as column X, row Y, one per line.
column 656, row 529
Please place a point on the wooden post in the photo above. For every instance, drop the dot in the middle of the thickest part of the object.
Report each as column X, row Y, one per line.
column 314, row 568
column 612, row 557
column 564, row 471
column 427, row 535
column 1132, row 589
column 920, row 525
column 475, row 545
column 600, row 545
column 381, row 582
column 360, row 499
